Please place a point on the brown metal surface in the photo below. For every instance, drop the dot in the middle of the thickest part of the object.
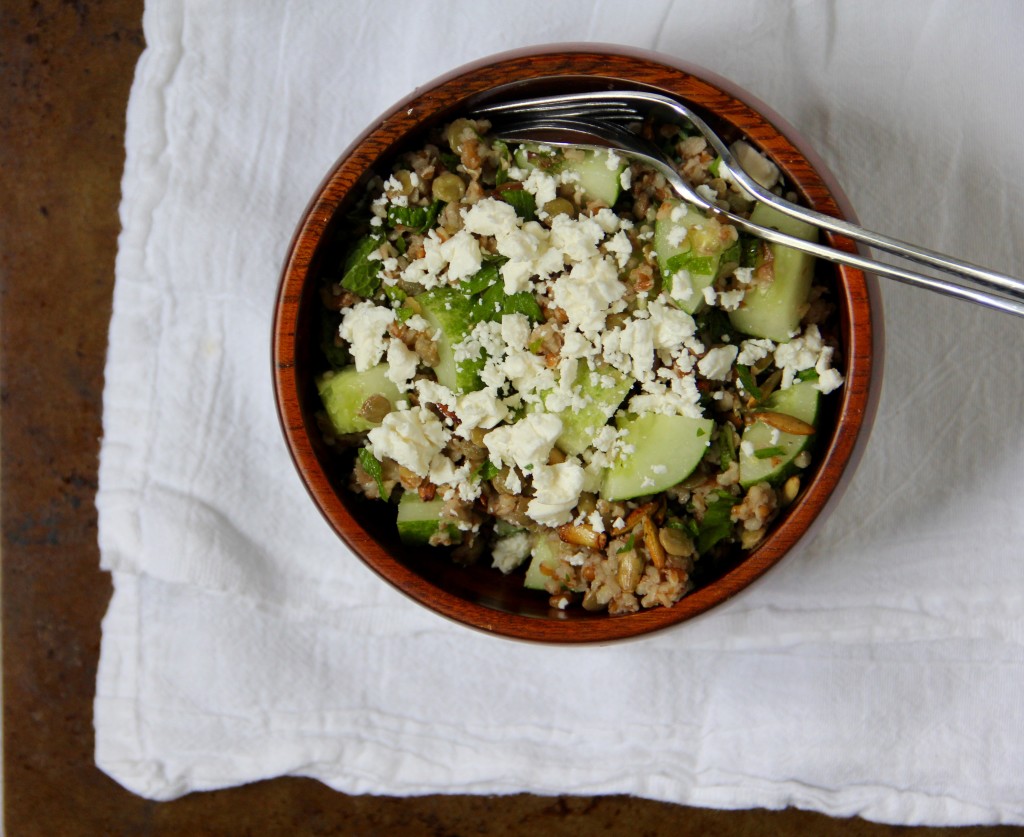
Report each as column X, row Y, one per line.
column 65, row 71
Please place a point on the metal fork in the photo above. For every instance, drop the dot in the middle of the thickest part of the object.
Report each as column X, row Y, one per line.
column 602, row 119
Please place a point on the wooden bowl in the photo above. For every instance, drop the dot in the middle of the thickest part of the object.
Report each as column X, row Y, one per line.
column 479, row 596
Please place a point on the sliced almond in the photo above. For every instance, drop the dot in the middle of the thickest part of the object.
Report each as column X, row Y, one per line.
column 784, row 422
column 654, row 547
column 582, row 536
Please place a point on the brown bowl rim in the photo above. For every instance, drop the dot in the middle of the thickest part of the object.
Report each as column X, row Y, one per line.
column 591, row 63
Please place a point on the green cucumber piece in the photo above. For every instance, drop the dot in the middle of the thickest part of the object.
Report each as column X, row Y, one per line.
column 671, row 445
column 544, row 553
column 419, row 520
column 774, row 311
column 579, row 427
column 450, row 311
column 594, row 177
column 344, row 392
column 598, row 181
column 800, row 400
column 694, row 261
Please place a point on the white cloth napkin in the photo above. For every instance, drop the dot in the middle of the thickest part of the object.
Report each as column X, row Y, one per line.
column 877, row 671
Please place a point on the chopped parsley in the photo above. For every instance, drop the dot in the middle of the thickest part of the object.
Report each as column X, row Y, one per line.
column 371, row 464
column 360, row 272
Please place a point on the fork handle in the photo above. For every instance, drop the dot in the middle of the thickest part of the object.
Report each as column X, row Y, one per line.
column 1008, row 299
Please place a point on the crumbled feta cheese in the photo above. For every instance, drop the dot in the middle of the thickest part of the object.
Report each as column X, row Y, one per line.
column 670, row 326
column 620, row 247
column 730, row 300
column 744, row 275
column 478, row 409
column 717, row 363
column 556, row 492
column 576, row 238
column 490, row 216
column 363, row 326
column 806, row 352
column 541, row 185
column 431, row 392
column 402, row 364
column 676, row 235
column 589, row 292
column 607, row 220
column 753, row 350
column 462, row 252
column 706, row 192
column 828, row 380
column 410, row 437
column 509, row 552
column 527, row 443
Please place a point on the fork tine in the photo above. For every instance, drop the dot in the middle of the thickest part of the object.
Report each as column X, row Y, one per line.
column 603, row 112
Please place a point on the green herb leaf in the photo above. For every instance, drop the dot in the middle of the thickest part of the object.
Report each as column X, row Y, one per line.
column 715, row 167
column 808, row 375
column 727, row 446
column 400, row 245
column 747, row 379
column 481, row 280
column 522, row 303
column 371, row 464
column 451, row 161
column 487, row 471
column 489, row 307
column 729, row 259
column 418, row 218
column 750, row 249
column 360, row 272
column 402, row 314
column 768, row 453
column 717, row 522
column 395, row 293
column 521, row 201
column 629, row 547
column 692, row 264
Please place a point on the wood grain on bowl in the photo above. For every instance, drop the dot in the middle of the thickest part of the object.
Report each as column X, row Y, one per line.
column 479, row 596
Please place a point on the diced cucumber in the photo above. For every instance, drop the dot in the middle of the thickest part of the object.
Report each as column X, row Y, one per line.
column 544, row 554
column 419, row 520
column 666, row 449
column 598, row 173
column 344, row 392
column 774, row 310
column 449, row 311
column 604, row 387
column 689, row 252
column 777, row 452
